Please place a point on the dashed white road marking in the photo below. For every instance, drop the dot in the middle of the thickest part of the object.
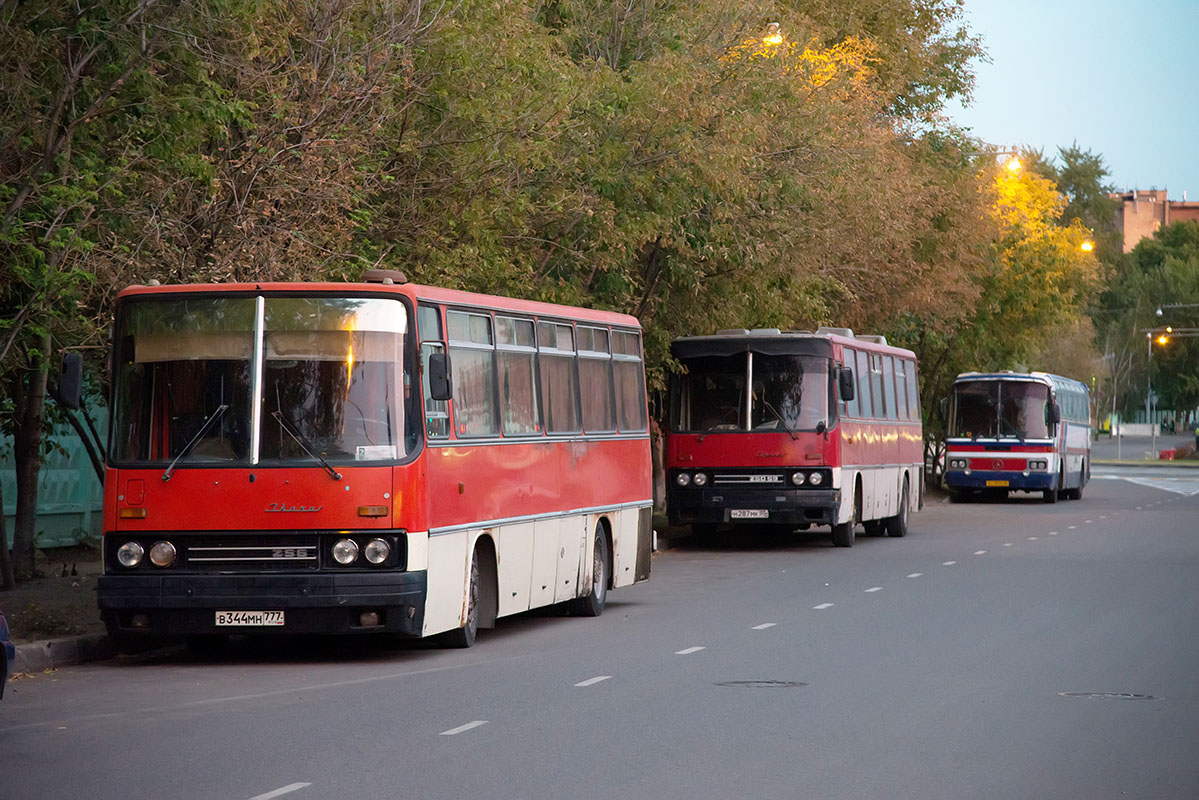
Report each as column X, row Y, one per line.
column 980, row 552
column 282, row 790
column 1053, row 533
column 1032, row 538
column 763, row 626
column 464, row 728
column 593, row 681
column 916, row 575
column 1071, row 527
column 1088, row 521
column 1007, row 544
column 874, row 589
column 948, row 563
column 689, row 651
column 822, row 606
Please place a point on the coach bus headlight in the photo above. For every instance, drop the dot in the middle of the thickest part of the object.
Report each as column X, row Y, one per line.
column 1038, row 464
column 345, row 552
column 130, row 554
column 682, row 479
column 798, row 478
column 701, row 479
column 815, row 479
column 162, row 554
column 377, row 551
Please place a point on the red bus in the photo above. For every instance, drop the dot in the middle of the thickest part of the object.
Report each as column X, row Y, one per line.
column 370, row 457
column 792, row 430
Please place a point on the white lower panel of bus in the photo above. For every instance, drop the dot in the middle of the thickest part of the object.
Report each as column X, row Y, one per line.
column 538, row 562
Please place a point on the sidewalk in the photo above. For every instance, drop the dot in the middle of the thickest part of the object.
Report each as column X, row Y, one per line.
column 1139, row 450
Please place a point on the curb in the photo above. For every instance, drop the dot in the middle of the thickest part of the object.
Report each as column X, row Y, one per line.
column 67, row 651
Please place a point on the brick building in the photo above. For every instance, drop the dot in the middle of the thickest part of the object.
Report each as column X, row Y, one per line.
column 1144, row 211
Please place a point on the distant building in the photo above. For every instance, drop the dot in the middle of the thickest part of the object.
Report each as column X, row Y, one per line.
column 1143, row 212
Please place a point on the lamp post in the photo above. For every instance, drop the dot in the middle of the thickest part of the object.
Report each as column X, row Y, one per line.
column 1149, row 395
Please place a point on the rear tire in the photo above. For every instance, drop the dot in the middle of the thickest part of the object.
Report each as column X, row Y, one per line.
column 897, row 526
column 593, row 604
column 465, row 636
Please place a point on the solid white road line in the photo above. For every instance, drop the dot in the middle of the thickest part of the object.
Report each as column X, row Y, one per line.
column 688, row 651
column 291, row 787
column 763, row 626
column 874, row 589
column 593, row 681
column 463, row 728
column 822, row 606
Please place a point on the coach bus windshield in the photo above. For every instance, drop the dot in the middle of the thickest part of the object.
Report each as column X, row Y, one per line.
column 999, row 410
column 787, row 393
column 332, row 376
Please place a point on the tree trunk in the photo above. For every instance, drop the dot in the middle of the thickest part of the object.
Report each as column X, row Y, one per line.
column 7, row 580
column 30, row 395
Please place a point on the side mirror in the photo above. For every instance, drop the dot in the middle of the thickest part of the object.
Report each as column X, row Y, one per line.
column 1053, row 414
column 70, row 381
column 845, row 384
column 441, row 386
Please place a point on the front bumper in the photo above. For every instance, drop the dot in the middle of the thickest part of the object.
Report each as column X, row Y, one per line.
column 1001, row 479
column 715, row 506
column 186, row 604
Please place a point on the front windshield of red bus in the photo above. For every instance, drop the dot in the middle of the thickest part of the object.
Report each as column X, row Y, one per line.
column 333, row 376
column 999, row 410
column 787, row 393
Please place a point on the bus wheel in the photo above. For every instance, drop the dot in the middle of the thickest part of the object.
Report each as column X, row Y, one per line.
column 465, row 636
column 1049, row 495
column 593, row 604
column 897, row 526
column 843, row 534
column 873, row 527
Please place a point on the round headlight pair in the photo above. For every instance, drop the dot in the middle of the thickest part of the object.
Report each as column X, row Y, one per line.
column 686, row 479
column 810, row 478
column 162, row 554
column 345, row 551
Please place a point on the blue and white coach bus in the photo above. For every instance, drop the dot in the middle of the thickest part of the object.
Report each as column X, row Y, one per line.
column 1018, row 431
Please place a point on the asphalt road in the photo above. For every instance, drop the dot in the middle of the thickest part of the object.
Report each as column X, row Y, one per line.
column 1001, row 650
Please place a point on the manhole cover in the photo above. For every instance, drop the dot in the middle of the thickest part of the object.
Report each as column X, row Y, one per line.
column 761, row 684
column 1108, row 695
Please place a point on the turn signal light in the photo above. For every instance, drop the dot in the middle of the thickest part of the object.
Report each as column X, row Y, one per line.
column 372, row 511
column 132, row 513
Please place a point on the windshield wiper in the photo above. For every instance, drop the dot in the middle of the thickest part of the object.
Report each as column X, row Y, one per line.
column 782, row 421
column 305, row 444
column 187, row 448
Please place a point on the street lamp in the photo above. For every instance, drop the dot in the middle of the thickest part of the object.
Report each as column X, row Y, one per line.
column 772, row 37
column 1088, row 246
column 1013, row 165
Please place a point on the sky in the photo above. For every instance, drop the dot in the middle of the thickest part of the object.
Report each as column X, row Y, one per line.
column 1119, row 77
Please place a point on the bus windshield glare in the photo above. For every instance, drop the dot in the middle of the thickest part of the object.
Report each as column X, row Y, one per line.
column 332, row 377
column 1000, row 409
column 788, row 393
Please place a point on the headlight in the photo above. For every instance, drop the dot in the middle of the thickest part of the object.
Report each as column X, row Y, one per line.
column 162, row 554
column 701, row 479
column 682, row 479
column 797, row 478
column 377, row 551
column 345, row 552
column 815, row 479
column 130, row 554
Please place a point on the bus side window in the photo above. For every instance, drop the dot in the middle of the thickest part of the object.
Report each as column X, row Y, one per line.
column 850, row 408
column 595, row 379
column 472, row 365
column 629, row 372
column 863, row 375
column 913, row 390
column 437, row 412
column 901, row 389
column 876, row 386
column 516, row 348
column 888, row 375
column 559, row 377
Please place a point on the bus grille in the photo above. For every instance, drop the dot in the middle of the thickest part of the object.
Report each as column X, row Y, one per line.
column 250, row 553
column 749, row 479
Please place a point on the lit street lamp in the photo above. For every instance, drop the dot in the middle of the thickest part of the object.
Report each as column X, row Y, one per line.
column 1175, row 305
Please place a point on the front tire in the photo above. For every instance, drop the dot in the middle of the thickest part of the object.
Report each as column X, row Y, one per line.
column 843, row 533
column 465, row 636
column 593, row 604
